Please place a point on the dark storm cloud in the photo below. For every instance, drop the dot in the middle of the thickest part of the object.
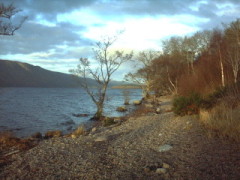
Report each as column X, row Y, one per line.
column 144, row 7
column 34, row 37
column 48, row 8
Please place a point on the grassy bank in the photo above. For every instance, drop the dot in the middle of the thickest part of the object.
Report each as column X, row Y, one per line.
column 218, row 111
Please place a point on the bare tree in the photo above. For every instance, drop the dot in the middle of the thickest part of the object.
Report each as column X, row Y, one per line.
column 108, row 62
column 6, row 14
column 143, row 76
column 232, row 36
column 216, row 47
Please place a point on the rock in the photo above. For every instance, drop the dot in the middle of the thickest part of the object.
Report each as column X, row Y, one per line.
column 121, row 109
column 166, row 166
column 94, row 129
column 161, row 170
column 117, row 120
column 149, row 106
column 70, row 122
column 80, row 115
column 147, row 169
column 69, row 128
column 158, row 110
column 165, row 147
column 126, row 103
column 73, row 136
column 37, row 135
column 137, row 102
column 51, row 134
column 101, row 138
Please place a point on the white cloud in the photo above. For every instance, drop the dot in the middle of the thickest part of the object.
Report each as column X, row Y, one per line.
column 144, row 33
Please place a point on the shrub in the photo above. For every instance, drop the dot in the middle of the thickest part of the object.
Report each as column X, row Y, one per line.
column 183, row 105
column 121, row 109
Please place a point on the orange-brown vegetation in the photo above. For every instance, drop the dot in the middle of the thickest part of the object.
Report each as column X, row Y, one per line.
column 10, row 145
column 202, row 70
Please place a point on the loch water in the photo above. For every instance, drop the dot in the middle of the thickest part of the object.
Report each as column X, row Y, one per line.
column 25, row 111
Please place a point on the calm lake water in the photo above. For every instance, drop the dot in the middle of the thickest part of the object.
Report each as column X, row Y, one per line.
column 25, row 111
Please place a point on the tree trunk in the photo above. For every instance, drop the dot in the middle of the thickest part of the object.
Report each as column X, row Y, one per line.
column 99, row 113
column 235, row 73
column 221, row 66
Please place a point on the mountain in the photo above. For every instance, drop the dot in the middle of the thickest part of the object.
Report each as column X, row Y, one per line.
column 18, row 74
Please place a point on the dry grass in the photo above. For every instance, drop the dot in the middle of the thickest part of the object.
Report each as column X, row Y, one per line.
column 51, row 134
column 7, row 140
column 81, row 130
column 223, row 119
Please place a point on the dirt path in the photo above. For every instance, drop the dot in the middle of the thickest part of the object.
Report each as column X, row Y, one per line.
column 133, row 150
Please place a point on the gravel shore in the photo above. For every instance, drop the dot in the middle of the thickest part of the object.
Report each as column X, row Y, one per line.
column 152, row 146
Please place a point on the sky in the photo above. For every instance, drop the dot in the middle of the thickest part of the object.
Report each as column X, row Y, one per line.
column 59, row 32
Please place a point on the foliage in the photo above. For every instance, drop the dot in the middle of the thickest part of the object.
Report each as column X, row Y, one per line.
column 143, row 75
column 187, row 105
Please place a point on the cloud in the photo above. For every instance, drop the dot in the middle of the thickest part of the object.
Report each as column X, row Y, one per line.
column 34, row 37
column 48, row 8
column 59, row 32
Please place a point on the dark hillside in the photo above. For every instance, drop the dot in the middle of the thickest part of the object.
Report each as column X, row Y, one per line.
column 18, row 74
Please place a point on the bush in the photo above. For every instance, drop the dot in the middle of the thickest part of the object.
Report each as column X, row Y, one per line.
column 211, row 99
column 183, row 105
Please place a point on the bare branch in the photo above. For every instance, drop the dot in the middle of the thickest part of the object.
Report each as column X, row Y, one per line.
column 6, row 26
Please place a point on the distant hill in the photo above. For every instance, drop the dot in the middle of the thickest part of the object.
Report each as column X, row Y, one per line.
column 18, row 74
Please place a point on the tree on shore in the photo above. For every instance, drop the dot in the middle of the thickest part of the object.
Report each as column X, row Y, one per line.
column 143, row 76
column 232, row 36
column 108, row 62
column 7, row 28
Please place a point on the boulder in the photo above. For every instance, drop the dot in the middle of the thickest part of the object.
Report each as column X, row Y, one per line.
column 121, row 109
column 166, row 166
column 80, row 115
column 161, row 170
column 37, row 135
column 165, row 147
column 149, row 105
column 101, row 138
column 117, row 120
column 70, row 122
column 126, row 103
column 158, row 110
column 94, row 129
column 137, row 102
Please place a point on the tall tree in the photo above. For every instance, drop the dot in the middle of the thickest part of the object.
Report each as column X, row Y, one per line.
column 107, row 63
column 143, row 76
column 7, row 12
column 216, row 48
column 232, row 36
